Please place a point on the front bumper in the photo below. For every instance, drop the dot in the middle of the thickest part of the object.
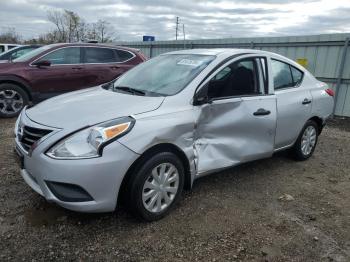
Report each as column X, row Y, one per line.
column 100, row 177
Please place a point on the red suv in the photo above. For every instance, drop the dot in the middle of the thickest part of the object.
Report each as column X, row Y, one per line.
column 54, row 69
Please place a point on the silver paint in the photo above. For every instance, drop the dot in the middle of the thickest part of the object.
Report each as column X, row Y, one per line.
column 211, row 136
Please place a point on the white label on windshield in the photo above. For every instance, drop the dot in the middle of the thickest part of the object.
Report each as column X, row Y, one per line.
column 189, row 62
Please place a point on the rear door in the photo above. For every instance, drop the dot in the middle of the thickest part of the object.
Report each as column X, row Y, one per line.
column 102, row 65
column 294, row 102
column 238, row 124
column 65, row 73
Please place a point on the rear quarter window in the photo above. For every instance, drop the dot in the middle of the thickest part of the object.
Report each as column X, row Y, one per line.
column 123, row 55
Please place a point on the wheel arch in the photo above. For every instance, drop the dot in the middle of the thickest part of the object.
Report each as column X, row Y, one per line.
column 17, row 81
column 163, row 147
column 319, row 122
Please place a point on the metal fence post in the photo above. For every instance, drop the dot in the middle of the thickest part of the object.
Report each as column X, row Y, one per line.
column 340, row 72
column 150, row 50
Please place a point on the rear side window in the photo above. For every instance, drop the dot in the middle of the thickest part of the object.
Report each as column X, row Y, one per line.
column 64, row 56
column 285, row 75
column 95, row 55
column 123, row 55
column 2, row 48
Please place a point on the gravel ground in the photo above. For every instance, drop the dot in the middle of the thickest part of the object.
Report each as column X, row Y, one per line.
column 269, row 210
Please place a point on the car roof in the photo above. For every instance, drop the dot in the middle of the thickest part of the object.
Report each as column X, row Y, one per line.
column 219, row 51
column 93, row 45
column 227, row 52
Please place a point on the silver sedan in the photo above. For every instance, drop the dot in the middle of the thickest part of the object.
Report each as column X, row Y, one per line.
column 149, row 134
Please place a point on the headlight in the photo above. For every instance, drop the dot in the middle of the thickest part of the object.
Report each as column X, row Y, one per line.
column 89, row 142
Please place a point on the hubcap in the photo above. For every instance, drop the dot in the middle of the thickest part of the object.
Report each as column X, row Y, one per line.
column 160, row 188
column 10, row 102
column 308, row 140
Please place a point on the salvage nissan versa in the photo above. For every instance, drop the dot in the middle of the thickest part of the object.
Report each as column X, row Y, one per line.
column 165, row 123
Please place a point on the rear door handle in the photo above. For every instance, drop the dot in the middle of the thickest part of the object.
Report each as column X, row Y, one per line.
column 261, row 112
column 306, row 101
column 114, row 67
column 77, row 68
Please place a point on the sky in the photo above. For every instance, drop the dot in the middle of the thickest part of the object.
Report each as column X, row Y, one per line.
column 203, row 19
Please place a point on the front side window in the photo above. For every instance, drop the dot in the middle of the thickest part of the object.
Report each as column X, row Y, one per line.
column 285, row 75
column 2, row 48
column 95, row 55
column 237, row 79
column 164, row 75
column 63, row 56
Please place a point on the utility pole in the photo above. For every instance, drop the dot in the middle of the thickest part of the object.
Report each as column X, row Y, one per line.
column 177, row 27
column 183, row 31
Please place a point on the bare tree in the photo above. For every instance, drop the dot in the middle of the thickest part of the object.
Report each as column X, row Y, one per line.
column 9, row 35
column 67, row 25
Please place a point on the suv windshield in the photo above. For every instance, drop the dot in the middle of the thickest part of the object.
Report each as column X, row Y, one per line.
column 164, row 75
column 31, row 54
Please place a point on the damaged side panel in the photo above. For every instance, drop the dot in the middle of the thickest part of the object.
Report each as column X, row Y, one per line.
column 212, row 136
column 228, row 133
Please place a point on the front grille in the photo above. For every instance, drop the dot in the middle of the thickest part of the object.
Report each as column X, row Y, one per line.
column 30, row 135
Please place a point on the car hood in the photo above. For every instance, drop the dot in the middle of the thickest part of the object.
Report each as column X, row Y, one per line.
column 89, row 107
column 6, row 65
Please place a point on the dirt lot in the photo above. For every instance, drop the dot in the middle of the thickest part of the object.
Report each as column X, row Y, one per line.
column 234, row 215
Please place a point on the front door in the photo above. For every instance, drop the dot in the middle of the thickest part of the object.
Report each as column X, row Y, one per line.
column 66, row 72
column 238, row 124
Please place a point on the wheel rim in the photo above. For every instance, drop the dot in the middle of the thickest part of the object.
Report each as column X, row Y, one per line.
column 160, row 187
column 308, row 140
column 10, row 102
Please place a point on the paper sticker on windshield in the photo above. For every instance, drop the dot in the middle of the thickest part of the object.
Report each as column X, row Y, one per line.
column 189, row 62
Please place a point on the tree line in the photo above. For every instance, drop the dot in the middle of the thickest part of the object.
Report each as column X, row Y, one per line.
column 68, row 27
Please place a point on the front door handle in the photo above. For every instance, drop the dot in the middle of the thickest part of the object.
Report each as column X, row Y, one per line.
column 306, row 101
column 114, row 67
column 261, row 112
column 77, row 68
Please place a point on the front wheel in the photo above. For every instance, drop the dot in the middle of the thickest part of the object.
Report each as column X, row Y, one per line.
column 306, row 142
column 156, row 186
column 12, row 100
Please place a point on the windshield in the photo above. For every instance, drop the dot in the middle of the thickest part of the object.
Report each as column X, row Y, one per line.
column 31, row 54
column 164, row 75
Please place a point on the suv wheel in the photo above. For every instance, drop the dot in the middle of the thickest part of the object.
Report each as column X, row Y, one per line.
column 12, row 100
column 306, row 142
column 156, row 186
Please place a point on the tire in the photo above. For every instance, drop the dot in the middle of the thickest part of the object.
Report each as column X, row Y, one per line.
column 140, row 193
column 12, row 100
column 306, row 143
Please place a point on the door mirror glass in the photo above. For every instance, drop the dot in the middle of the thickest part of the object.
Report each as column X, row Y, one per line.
column 42, row 63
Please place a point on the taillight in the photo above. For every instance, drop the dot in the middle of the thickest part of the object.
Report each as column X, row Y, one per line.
column 330, row 91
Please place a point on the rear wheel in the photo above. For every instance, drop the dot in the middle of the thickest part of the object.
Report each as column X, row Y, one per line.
column 12, row 100
column 306, row 142
column 156, row 186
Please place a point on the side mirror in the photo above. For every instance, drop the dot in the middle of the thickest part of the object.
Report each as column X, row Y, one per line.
column 201, row 97
column 42, row 63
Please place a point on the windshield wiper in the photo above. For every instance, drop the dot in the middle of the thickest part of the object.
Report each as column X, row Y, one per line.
column 130, row 90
